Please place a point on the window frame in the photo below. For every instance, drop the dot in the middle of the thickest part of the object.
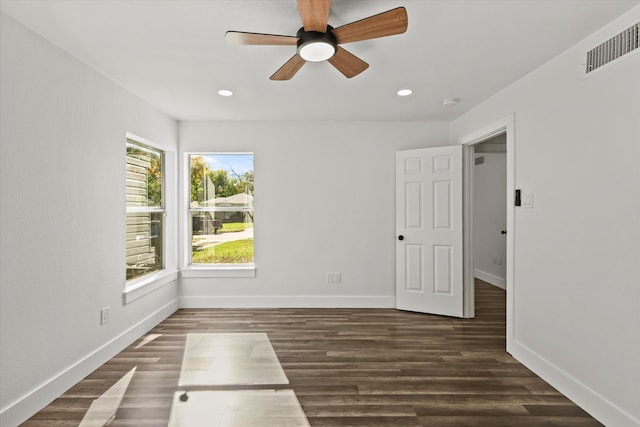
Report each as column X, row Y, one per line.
column 168, row 273
column 208, row 270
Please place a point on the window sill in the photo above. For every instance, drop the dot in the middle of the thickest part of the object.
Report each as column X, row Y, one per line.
column 208, row 271
column 139, row 288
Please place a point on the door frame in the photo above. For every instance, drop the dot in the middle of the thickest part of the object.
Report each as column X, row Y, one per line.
column 503, row 125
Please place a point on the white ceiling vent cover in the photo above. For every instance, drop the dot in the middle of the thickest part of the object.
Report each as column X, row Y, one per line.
column 617, row 46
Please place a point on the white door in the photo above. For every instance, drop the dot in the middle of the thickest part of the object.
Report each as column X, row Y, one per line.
column 429, row 230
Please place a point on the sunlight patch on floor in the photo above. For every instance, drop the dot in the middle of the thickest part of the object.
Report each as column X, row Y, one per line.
column 240, row 408
column 103, row 409
column 230, row 359
column 147, row 340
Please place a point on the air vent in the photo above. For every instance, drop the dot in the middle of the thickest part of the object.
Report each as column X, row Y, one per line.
column 479, row 160
column 617, row 46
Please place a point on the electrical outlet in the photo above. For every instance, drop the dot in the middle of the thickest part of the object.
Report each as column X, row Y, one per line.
column 334, row 278
column 104, row 315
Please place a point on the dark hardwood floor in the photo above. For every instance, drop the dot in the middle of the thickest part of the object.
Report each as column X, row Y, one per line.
column 348, row 367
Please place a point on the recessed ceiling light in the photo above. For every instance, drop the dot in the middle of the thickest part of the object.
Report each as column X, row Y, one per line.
column 225, row 92
column 404, row 92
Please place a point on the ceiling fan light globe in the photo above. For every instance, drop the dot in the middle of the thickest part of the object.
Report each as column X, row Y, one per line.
column 316, row 51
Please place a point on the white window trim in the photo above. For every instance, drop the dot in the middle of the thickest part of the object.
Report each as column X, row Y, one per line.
column 209, row 270
column 137, row 288
column 187, row 269
column 145, row 285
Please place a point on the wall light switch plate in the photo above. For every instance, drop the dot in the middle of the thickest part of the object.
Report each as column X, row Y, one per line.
column 527, row 200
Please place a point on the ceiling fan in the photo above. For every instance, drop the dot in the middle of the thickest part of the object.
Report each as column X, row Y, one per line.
column 317, row 41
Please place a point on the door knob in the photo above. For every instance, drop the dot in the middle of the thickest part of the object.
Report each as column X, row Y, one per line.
column 503, row 232
column 401, row 237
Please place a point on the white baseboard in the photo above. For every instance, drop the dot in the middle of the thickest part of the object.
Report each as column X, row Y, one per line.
column 288, row 302
column 490, row 278
column 588, row 399
column 19, row 411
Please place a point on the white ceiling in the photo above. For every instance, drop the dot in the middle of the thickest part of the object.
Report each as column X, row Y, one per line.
column 172, row 53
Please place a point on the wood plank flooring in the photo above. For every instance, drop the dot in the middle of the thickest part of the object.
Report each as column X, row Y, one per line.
column 348, row 367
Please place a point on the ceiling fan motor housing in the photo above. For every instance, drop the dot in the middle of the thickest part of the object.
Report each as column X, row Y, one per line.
column 314, row 46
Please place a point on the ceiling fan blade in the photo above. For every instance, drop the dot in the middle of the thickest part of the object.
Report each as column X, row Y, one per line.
column 347, row 63
column 239, row 37
column 314, row 14
column 384, row 24
column 289, row 69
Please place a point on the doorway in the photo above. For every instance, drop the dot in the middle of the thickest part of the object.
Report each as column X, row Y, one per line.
column 499, row 131
column 489, row 211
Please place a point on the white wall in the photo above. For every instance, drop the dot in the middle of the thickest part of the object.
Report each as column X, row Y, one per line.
column 325, row 202
column 577, row 287
column 490, row 218
column 62, row 220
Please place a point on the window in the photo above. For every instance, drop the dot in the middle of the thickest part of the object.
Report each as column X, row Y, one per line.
column 145, row 210
column 221, row 209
